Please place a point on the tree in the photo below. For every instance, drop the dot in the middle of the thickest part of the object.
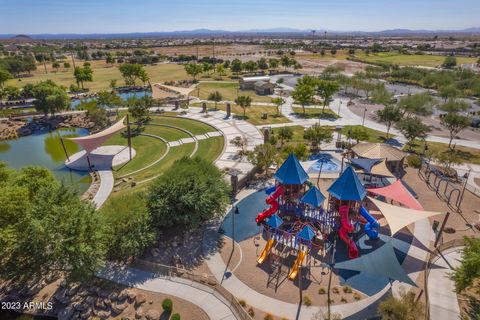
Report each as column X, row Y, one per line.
column 262, row 64
column 326, row 89
column 241, row 143
column 113, row 84
column 381, row 95
column 404, row 307
column 193, row 69
column 221, row 70
column 449, row 62
column 413, row 128
column 358, row 133
column 389, row 115
column 96, row 114
column 49, row 97
column 54, row 233
column 56, row 66
column 83, row 74
column 144, row 77
column 66, row 65
column 188, row 193
column 273, row 63
column 207, row 67
column 448, row 92
column 4, row 76
column 469, row 269
column 131, row 72
column 244, row 102
column 263, row 156
column 138, row 109
column 250, row 66
column 453, row 105
column 129, row 224
column 299, row 150
column 278, row 102
column 285, row 133
column 216, row 97
column 236, row 66
column 419, row 104
column 286, row 61
column 317, row 134
column 455, row 123
column 303, row 94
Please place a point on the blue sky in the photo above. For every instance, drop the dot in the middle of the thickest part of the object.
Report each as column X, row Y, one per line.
column 110, row 16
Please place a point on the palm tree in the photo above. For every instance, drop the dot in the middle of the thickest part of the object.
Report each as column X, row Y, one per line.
column 244, row 102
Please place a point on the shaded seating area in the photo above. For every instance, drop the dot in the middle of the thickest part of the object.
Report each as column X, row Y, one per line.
column 398, row 192
column 394, row 157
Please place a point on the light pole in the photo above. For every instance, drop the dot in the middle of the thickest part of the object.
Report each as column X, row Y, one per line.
column 339, row 105
column 364, row 114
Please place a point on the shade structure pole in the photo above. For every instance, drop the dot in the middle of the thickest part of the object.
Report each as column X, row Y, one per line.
column 129, row 138
column 89, row 164
column 64, row 149
column 441, row 229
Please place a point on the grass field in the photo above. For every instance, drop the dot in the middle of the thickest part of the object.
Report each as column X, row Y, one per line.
column 314, row 113
column 228, row 91
column 374, row 135
column 195, row 127
column 102, row 74
column 468, row 155
column 409, row 60
column 254, row 113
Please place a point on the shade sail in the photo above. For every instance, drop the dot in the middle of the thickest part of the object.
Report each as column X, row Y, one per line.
column 378, row 150
column 380, row 169
column 274, row 221
column 306, row 233
column 365, row 164
column 92, row 142
column 399, row 193
column 313, row 197
column 291, row 172
column 348, row 186
column 398, row 217
column 381, row 262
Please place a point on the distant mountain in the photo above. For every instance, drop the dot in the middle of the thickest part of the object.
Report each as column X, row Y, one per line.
column 209, row 32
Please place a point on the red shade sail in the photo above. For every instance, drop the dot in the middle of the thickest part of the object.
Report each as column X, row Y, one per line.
column 399, row 193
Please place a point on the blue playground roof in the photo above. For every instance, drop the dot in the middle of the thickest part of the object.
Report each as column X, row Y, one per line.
column 274, row 221
column 348, row 186
column 364, row 163
column 291, row 172
column 306, row 234
column 313, row 197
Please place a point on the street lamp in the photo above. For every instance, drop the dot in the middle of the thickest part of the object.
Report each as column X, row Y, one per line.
column 364, row 114
column 339, row 105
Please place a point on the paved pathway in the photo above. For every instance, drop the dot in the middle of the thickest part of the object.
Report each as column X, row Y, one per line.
column 196, row 293
column 106, row 187
column 441, row 289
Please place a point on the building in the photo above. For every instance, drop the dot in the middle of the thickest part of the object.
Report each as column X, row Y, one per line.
column 263, row 88
column 248, row 83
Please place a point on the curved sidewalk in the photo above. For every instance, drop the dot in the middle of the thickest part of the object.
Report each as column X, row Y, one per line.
column 196, row 293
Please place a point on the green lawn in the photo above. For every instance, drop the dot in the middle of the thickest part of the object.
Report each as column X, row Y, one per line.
column 210, row 148
column 374, row 135
column 195, row 127
column 409, row 60
column 254, row 113
column 102, row 75
column 169, row 134
column 314, row 113
column 297, row 133
column 228, row 91
column 468, row 155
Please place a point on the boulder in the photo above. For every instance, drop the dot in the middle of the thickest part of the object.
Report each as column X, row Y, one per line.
column 118, row 308
column 89, row 300
column 103, row 293
column 152, row 314
column 104, row 314
column 139, row 313
column 131, row 295
column 113, row 296
column 123, row 295
column 61, row 297
column 86, row 314
column 140, row 299
column 66, row 313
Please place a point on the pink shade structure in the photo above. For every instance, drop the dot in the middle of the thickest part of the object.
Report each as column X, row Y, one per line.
column 92, row 142
column 397, row 192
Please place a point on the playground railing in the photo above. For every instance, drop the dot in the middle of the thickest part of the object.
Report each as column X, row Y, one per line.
column 435, row 255
column 203, row 282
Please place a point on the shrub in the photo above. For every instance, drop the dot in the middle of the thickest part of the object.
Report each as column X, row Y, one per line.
column 335, row 290
column 268, row 316
column 251, row 312
column 167, row 305
column 414, row 161
column 321, row 290
column 343, row 299
column 347, row 289
column 307, row 301
column 242, row 302
column 175, row 316
column 356, row 296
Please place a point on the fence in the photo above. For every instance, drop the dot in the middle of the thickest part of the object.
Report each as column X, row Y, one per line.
column 200, row 281
column 433, row 256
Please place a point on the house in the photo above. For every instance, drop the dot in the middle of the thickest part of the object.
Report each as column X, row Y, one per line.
column 263, row 88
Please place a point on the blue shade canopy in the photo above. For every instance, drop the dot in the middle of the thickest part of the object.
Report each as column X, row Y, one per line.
column 381, row 262
column 291, row 172
column 348, row 186
column 313, row 197
column 306, row 234
column 365, row 164
column 274, row 221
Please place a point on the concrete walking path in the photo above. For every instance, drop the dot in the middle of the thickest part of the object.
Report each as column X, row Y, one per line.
column 441, row 289
column 196, row 293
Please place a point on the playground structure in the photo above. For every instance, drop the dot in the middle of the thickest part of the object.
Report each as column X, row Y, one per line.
column 300, row 224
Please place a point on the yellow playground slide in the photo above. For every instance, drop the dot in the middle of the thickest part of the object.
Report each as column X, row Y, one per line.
column 266, row 251
column 300, row 256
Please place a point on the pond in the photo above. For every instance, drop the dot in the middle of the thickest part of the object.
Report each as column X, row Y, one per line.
column 123, row 95
column 44, row 149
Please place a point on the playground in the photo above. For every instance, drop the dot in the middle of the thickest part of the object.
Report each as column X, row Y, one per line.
column 335, row 241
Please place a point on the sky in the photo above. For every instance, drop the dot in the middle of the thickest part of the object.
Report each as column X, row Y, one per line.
column 125, row 16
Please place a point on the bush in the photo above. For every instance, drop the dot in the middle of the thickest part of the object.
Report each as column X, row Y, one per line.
column 190, row 192
column 307, row 301
column 175, row 316
column 321, row 290
column 167, row 305
column 347, row 289
column 414, row 161
column 335, row 290
column 251, row 312
column 356, row 296
column 268, row 316
column 343, row 299
column 242, row 302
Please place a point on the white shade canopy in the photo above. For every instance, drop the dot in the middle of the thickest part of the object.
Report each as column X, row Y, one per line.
column 399, row 217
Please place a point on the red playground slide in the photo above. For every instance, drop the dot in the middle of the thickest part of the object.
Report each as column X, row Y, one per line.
column 272, row 201
column 345, row 228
